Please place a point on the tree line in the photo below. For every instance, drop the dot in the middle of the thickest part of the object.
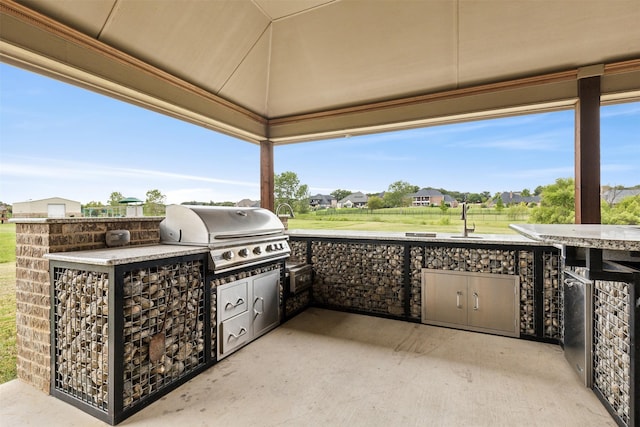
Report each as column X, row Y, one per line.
column 557, row 200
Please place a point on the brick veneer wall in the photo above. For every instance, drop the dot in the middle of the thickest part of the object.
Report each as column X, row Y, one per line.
column 34, row 239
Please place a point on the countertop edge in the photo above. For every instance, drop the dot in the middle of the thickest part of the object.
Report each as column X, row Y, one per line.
column 126, row 254
column 619, row 238
column 475, row 239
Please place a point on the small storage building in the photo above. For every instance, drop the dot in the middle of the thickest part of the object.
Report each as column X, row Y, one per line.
column 53, row 207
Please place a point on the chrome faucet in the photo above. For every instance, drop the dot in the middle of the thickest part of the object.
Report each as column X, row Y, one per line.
column 285, row 205
column 465, row 208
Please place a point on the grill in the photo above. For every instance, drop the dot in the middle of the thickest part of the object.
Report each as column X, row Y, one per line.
column 236, row 237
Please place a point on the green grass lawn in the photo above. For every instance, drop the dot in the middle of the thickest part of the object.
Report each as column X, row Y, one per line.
column 409, row 219
column 7, row 321
column 7, row 302
column 7, row 243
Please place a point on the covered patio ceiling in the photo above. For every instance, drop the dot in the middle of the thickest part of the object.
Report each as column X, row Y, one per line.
column 298, row 70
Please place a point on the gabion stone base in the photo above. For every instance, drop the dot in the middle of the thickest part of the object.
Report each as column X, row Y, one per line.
column 359, row 276
column 612, row 345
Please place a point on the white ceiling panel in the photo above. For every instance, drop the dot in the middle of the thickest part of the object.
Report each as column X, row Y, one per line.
column 346, row 54
column 203, row 42
column 278, row 9
column 248, row 86
column 504, row 39
column 85, row 16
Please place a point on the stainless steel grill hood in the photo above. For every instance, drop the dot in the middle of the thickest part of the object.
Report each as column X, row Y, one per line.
column 236, row 237
column 199, row 225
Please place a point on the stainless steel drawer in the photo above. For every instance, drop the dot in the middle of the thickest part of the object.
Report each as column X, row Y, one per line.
column 233, row 299
column 235, row 333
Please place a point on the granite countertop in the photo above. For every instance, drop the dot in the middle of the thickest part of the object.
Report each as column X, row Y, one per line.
column 476, row 239
column 126, row 254
column 597, row 236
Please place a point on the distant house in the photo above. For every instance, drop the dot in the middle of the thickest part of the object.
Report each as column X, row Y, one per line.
column 53, row 207
column 516, row 198
column 354, row 200
column 4, row 214
column 428, row 197
column 322, row 201
column 450, row 201
column 248, row 203
column 615, row 196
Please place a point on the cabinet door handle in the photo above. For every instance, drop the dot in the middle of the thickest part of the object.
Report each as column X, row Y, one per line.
column 476, row 302
column 231, row 306
column 241, row 333
column 458, row 295
column 256, row 312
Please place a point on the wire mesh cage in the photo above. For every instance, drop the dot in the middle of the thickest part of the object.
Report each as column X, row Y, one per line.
column 527, row 293
column 81, row 331
column 612, row 346
column 552, row 295
column 123, row 336
column 165, row 302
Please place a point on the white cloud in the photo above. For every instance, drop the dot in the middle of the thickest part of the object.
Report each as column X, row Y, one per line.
column 88, row 171
column 559, row 172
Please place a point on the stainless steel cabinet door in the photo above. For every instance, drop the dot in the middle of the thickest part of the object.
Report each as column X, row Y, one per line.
column 266, row 306
column 445, row 299
column 492, row 303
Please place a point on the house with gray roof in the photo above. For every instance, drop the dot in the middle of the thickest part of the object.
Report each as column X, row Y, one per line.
column 427, row 197
column 516, row 198
column 323, row 201
column 614, row 196
column 354, row 200
column 248, row 203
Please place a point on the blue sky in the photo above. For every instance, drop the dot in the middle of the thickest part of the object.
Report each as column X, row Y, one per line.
column 57, row 140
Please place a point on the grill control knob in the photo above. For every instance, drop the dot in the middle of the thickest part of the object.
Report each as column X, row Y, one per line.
column 270, row 248
column 243, row 252
column 228, row 255
column 257, row 250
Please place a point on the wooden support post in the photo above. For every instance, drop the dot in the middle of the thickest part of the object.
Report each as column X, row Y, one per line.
column 266, row 175
column 587, row 148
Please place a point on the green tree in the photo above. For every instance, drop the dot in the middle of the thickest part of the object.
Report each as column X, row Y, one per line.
column 93, row 208
column 397, row 194
column 114, row 198
column 525, row 193
column 155, row 203
column 557, row 205
column 444, row 207
column 517, row 211
column 474, row 198
column 375, row 202
column 499, row 203
column 538, row 190
column 287, row 189
column 626, row 212
column 340, row 194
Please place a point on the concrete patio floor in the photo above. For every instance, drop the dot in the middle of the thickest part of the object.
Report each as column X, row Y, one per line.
column 326, row 368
